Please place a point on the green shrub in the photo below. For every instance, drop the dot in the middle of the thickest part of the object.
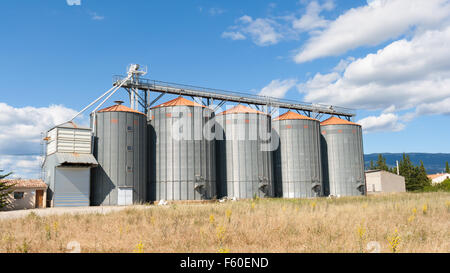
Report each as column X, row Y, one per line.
column 443, row 186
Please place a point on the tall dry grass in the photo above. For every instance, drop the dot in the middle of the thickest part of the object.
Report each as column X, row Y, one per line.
column 401, row 223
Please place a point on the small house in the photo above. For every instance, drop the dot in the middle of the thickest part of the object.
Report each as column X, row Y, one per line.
column 438, row 177
column 378, row 181
column 27, row 193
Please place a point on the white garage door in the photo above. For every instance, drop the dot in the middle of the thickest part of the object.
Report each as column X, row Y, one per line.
column 125, row 196
column 71, row 187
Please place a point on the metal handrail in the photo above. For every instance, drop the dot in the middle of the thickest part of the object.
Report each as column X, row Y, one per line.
column 155, row 84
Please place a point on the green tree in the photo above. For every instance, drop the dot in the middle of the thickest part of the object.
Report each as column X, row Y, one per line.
column 422, row 176
column 381, row 164
column 5, row 190
column 371, row 167
column 415, row 176
column 443, row 186
column 447, row 169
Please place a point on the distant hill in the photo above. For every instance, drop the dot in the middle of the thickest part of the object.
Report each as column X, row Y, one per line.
column 434, row 163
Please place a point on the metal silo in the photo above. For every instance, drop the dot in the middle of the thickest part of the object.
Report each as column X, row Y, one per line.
column 120, row 146
column 244, row 161
column 182, row 161
column 297, row 160
column 342, row 157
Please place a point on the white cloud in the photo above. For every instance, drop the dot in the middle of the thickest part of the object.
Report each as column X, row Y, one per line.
column 404, row 74
column 272, row 5
column 312, row 20
column 384, row 122
column 21, row 166
column 73, row 2
column 212, row 11
column 373, row 24
column 215, row 11
column 278, row 88
column 233, row 35
column 437, row 107
column 318, row 82
column 20, row 136
column 21, row 128
column 246, row 19
column 96, row 17
column 273, row 29
column 410, row 74
column 390, row 109
column 328, row 5
column 343, row 64
column 262, row 31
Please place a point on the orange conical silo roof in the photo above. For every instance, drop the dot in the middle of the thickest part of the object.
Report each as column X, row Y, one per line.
column 289, row 115
column 241, row 109
column 119, row 108
column 180, row 101
column 337, row 121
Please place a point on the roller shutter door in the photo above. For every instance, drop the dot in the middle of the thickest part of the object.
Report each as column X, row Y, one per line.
column 71, row 187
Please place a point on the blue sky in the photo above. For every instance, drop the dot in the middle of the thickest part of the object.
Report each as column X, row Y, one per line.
column 387, row 59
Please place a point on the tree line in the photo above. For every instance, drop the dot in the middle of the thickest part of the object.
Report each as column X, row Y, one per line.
column 416, row 178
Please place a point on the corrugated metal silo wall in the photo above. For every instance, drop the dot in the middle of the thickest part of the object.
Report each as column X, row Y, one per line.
column 343, row 160
column 182, row 160
column 244, row 166
column 297, row 161
column 120, row 147
column 49, row 174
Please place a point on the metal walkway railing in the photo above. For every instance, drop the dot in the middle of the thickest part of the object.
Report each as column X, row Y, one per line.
column 232, row 96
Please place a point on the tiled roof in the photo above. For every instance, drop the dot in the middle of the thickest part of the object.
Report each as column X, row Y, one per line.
column 119, row 108
column 433, row 176
column 292, row 115
column 239, row 109
column 337, row 121
column 180, row 101
column 25, row 183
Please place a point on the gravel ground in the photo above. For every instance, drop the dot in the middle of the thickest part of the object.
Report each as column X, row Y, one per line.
column 14, row 214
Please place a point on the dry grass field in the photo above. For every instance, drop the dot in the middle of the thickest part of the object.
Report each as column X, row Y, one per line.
column 409, row 222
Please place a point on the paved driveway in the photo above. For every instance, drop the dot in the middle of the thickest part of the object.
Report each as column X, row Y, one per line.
column 14, row 214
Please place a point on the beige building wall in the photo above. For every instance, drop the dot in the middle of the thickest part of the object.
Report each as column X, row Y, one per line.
column 384, row 182
column 29, row 199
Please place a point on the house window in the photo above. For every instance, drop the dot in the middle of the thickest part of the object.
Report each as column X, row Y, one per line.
column 129, row 169
column 18, row 195
column 130, row 128
column 129, row 148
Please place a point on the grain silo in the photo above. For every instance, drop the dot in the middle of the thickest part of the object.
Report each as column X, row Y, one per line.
column 342, row 157
column 297, row 160
column 244, row 163
column 120, row 146
column 182, row 164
